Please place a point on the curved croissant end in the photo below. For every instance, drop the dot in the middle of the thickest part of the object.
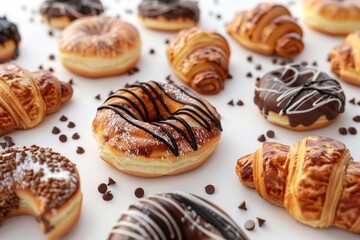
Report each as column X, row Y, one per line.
column 316, row 180
column 268, row 29
column 200, row 59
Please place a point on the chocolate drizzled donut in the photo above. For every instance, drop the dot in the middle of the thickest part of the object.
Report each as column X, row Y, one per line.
column 170, row 9
column 9, row 31
column 302, row 94
column 175, row 216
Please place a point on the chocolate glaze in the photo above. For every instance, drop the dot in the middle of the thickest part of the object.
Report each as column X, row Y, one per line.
column 154, row 90
column 175, row 215
column 9, row 31
column 302, row 94
column 71, row 8
column 170, row 9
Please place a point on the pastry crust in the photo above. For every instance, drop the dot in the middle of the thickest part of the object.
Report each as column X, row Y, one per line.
column 332, row 16
column 200, row 59
column 7, row 50
column 99, row 46
column 268, row 29
column 162, row 24
column 316, row 180
column 345, row 59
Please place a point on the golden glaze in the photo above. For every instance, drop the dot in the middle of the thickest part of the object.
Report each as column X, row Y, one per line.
column 200, row 59
column 316, row 180
column 334, row 9
column 25, row 98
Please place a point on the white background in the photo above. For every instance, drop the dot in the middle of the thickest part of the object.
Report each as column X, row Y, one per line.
column 242, row 125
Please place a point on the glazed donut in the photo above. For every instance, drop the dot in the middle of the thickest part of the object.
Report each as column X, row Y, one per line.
column 99, row 46
column 169, row 15
column 9, row 40
column 336, row 17
column 154, row 129
column 299, row 98
column 175, row 215
column 42, row 183
column 345, row 59
column 60, row 13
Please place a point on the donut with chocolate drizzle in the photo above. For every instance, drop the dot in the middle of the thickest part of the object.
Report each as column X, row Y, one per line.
column 299, row 98
column 9, row 40
column 153, row 129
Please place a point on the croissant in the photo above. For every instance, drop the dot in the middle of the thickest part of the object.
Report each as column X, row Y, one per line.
column 345, row 59
column 25, row 98
column 200, row 59
column 268, row 29
column 316, row 180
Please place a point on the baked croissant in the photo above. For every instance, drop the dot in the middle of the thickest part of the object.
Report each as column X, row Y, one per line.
column 345, row 59
column 316, row 180
column 25, row 98
column 268, row 29
column 200, row 59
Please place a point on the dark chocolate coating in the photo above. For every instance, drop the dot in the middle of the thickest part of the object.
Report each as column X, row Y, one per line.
column 8, row 31
column 302, row 94
column 170, row 9
column 71, row 8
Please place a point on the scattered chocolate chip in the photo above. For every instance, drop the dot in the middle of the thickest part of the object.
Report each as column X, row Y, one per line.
column 167, row 41
column 304, row 63
column 55, row 130
column 231, row 103
column 152, row 51
column 10, row 144
column 240, row 103
column 270, row 134
column 50, row 33
column 71, row 81
column 249, row 75
column 63, row 118
column 127, row 85
column 242, row 206
column 249, row 58
column 108, row 196
column 230, row 76
column 218, row 16
column 3, row 144
column 282, row 62
column 139, row 192
column 328, row 58
column 258, row 79
column 260, row 221
column 63, row 138
column 102, row 188
column 111, row 181
column 352, row 130
column 314, row 64
column 80, row 150
column 352, row 101
column 111, row 93
column 40, row 67
column 71, row 125
column 258, row 67
column 52, row 57
column 274, row 60
column 356, row 118
column 8, row 138
column 210, row 189
column 358, row 103
column 97, row 97
column 342, row 131
column 51, row 69
column 261, row 138
column 249, row 225
column 75, row 136
column 136, row 69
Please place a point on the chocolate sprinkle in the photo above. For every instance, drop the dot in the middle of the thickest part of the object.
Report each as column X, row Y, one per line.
column 260, row 221
column 139, row 192
column 249, row 75
column 167, row 41
column 51, row 69
column 63, row 118
column 342, row 131
column 55, row 130
column 352, row 130
column 40, row 67
column 249, row 58
column 75, row 136
column 270, row 133
column 242, row 206
column 210, row 189
column 50, row 33
column 102, row 188
column 314, row 64
column 258, row 67
column 63, row 138
column 10, row 144
column 80, row 150
column 152, row 51
column 108, row 196
column 249, row 225
column 261, row 138
column 231, row 103
column 3, row 144
column 71, row 81
column 274, row 60
column 8, row 138
column 52, row 57
column 356, row 118
column 111, row 181
column 71, row 125
column 240, row 103
column 97, row 97
column 352, row 101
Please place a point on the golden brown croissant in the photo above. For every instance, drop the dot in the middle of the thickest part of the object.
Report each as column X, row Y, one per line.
column 316, row 180
column 200, row 59
column 268, row 29
column 25, row 98
column 345, row 59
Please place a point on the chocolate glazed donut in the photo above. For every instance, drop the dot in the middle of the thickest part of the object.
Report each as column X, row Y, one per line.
column 9, row 35
column 306, row 97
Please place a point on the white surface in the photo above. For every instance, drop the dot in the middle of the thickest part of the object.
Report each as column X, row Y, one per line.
column 242, row 126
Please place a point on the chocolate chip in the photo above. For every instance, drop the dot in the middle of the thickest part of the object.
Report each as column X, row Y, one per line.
column 111, row 181
column 258, row 67
column 260, row 221
column 40, row 67
column 139, row 192
column 261, row 138
column 71, row 125
column 218, row 16
column 52, row 57
column 328, row 58
column 152, row 51
column 304, row 63
column 270, row 133
column 352, row 101
column 242, row 206
column 210, row 189
column 102, row 188
column 75, row 136
column 97, row 97
column 352, row 130
column 314, row 64
column 3, row 144
column 358, row 103
column 71, row 81
column 63, row 138
column 50, row 33
column 230, row 76
column 111, row 93
column 249, row 75
column 55, row 130
column 51, row 69
column 249, row 58
column 80, row 150
column 10, row 144
column 274, row 60
column 108, row 196
column 8, row 138
column 356, row 118
column 249, row 225
column 167, row 41
column 239, row 103
column 342, row 131
column 63, row 118
column 231, row 103
column 282, row 62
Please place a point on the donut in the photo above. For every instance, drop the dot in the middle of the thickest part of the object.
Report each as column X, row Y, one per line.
column 169, row 15
column 335, row 17
column 60, row 13
column 9, row 40
column 41, row 183
column 175, row 215
column 153, row 129
column 99, row 46
column 299, row 98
